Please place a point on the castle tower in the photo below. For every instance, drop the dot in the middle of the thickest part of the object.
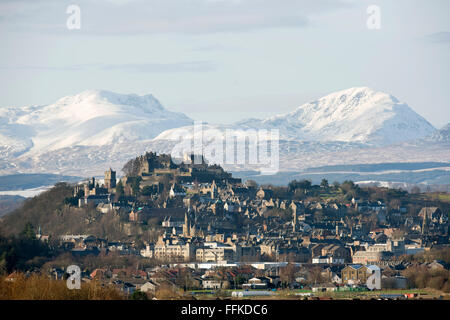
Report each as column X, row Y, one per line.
column 110, row 179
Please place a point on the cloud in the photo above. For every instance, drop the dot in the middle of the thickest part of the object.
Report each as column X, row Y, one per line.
column 164, row 16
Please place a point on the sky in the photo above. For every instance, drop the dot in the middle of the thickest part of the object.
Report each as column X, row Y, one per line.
column 221, row 61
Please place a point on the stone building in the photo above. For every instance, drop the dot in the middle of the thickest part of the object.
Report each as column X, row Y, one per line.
column 173, row 249
column 110, row 179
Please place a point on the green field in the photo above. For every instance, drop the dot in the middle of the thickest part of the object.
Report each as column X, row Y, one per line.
column 338, row 295
column 441, row 196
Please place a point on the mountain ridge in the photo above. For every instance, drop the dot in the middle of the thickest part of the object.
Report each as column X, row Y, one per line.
column 357, row 114
column 103, row 129
column 442, row 135
column 90, row 118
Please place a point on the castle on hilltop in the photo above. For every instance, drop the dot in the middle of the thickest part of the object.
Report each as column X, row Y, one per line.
column 153, row 168
column 153, row 173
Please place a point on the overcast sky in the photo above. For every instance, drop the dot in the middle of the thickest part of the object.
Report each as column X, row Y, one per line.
column 225, row 60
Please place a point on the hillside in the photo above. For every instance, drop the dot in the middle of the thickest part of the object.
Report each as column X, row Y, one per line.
column 9, row 203
column 48, row 211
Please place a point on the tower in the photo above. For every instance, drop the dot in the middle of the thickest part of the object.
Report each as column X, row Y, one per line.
column 213, row 189
column 294, row 218
column 425, row 221
column 86, row 190
column 110, row 179
column 186, row 226
column 294, row 222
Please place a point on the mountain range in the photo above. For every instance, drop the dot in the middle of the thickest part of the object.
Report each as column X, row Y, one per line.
column 85, row 133
column 91, row 118
column 359, row 115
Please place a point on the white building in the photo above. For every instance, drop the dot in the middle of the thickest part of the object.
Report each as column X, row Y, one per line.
column 328, row 260
column 216, row 252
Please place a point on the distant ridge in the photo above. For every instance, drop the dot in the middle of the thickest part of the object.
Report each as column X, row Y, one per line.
column 357, row 114
column 90, row 118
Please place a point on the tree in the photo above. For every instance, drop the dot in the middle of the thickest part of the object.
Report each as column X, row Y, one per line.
column 324, row 183
column 415, row 190
column 239, row 280
column 184, row 279
column 139, row 295
column 315, row 275
column 303, row 184
column 132, row 167
column 287, row 274
column 71, row 201
column 251, row 183
column 119, row 191
column 148, row 191
column 348, row 186
column 134, row 182
column 395, row 204
column 28, row 232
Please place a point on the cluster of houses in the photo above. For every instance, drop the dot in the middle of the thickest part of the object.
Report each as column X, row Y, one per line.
column 210, row 221
column 249, row 276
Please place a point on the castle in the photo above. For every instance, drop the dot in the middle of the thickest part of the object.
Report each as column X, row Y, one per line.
column 154, row 168
column 95, row 193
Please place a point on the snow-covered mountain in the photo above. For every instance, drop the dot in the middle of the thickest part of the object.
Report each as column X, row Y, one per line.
column 83, row 134
column 442, row 135
column 91, row 118
column 353, row 115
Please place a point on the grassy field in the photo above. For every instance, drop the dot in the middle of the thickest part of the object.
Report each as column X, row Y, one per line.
column 445, row 197
column 441, row 196
column 339, row 295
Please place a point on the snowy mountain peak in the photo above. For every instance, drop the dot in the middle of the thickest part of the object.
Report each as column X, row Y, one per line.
column 359, row 114
column 90, row 118
column 97, row 129
column 353, row 115
column 358, row 96
column 349, row 103
column 104, row 97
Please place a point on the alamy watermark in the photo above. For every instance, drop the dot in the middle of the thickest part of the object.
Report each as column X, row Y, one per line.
column 374, row 18
column 74, row 280
column 258, row 149
column 74, row 20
